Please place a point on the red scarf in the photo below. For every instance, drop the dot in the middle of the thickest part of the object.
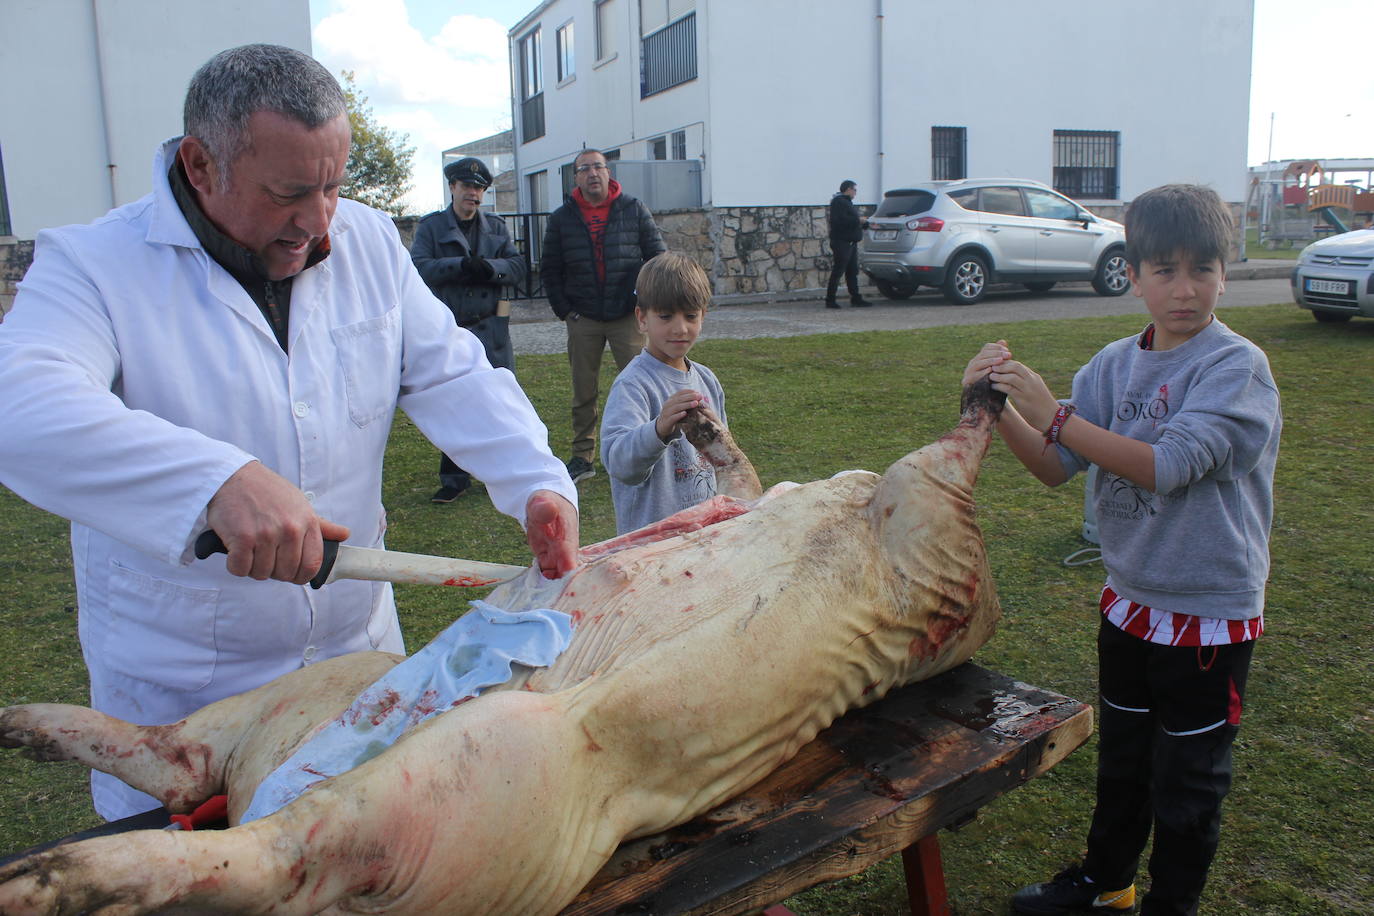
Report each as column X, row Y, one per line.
column 596, row 216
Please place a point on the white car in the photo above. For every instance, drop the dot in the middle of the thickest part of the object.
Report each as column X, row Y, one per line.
column 1335, row 276
column 962, row 235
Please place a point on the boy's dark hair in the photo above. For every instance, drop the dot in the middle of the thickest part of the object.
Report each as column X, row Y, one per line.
column 846, row 185
column 673, row 282
column 1176, row 218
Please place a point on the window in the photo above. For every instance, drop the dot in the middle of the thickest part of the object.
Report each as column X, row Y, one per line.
column 605, row 37
column 679, row 144
column 6, row 227
column 566, row 62
column 1002, row 200
column 948, row 146
column 531, row 87
column 538, row 185
column 1045, row 205
column 611, row 155
column 567, row 177
column 658, row 148
column 668, row 44
column 1085, row 163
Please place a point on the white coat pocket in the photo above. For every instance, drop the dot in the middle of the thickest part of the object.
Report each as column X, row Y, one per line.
column 370, row 360
column 160, row 631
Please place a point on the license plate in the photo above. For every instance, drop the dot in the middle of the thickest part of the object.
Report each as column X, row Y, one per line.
column 1334, row 287
column 884, row 235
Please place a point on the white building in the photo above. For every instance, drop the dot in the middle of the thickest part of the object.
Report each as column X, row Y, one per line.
column 90, row 87
column 778, row 100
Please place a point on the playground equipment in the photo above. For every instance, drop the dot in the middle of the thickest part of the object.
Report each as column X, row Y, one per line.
column 1300, row 204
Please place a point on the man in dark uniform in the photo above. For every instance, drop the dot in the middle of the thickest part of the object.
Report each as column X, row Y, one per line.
column 846, row 231
column 466, row 257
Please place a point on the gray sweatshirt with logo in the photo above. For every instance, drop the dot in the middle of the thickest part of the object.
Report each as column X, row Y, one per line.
column 651, row 479
column 1198, row 544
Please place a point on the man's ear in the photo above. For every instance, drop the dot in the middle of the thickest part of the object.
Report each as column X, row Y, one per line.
column 1133, row 278
column 200, row 167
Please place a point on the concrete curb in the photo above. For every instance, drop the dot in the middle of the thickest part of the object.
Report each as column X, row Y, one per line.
column 528, row 310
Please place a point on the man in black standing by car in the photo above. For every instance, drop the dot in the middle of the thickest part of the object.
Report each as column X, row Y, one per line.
column 846, row 231
column 466, row 257
column 593, row 248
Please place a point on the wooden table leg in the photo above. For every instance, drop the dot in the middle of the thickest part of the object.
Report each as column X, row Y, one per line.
column 925, row 877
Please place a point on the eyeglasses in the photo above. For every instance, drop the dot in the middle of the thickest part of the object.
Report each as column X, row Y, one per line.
column 592, row 167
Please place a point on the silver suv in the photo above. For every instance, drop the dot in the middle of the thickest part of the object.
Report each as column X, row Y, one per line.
column 963, row 235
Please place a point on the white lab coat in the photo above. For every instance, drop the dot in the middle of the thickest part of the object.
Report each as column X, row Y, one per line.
column 139, row 375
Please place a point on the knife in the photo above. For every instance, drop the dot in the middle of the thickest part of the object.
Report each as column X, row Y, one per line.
column 344, row 562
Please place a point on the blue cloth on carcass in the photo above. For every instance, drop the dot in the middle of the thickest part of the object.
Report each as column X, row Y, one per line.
column 475, row 652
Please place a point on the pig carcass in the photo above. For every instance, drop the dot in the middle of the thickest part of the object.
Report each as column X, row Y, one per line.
column 706, row 652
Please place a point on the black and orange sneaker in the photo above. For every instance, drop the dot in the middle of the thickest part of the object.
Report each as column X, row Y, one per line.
column 1071, row 891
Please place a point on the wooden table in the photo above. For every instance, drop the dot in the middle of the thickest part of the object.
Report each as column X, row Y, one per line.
column 880, row 780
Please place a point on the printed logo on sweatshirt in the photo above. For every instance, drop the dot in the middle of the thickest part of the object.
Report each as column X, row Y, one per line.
column 1137, row 405
column 1123, row 499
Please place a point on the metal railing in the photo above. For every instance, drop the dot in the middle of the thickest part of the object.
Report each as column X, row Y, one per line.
column 668, row 57
column 1085, row 163
column 532, row 118
column 527, row 232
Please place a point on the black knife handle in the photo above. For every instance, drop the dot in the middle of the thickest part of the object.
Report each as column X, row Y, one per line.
column 209, row 542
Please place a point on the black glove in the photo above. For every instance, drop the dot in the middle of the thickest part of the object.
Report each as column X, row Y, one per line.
column 478, row 269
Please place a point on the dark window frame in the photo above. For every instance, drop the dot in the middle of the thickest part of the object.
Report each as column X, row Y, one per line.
column 565, row 39
column 679, row 144
column 948, row 153
column 600, row 29
column 1087, row 164
column 530, row 47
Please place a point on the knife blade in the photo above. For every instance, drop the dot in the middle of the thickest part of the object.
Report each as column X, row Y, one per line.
column 342, row 561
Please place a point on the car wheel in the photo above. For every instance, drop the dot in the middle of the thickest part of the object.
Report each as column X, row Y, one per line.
column 1040, row 286
column 896, row 290
column 1110, row 278
column 966, row 279
column 1330, row 317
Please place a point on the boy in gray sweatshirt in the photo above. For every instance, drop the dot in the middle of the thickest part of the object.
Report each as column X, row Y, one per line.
column 654, row 470
column 1183, row 423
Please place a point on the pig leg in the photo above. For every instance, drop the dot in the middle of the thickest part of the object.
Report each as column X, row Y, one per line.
column 183, row 763
column 735, row 474
column 155, row 759
column 504, row 805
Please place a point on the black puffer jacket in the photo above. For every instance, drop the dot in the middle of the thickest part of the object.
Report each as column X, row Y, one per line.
column 569, row 270
column 845, row 223
column 446, row 264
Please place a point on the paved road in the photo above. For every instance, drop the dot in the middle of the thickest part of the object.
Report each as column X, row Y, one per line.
column 532, row 333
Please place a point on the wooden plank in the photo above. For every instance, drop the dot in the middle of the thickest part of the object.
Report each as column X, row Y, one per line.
column 876, row 781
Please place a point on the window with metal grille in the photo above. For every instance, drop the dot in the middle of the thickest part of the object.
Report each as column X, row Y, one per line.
column 679, row 144
column 948, row 153
column 567, row 64
column 6, row 227
column 1085, row 163
column 605, row 38
column 531, row 87
column 668, row 57
column 658, row 148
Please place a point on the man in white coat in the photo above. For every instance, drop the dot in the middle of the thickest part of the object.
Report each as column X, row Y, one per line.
column 228, row 353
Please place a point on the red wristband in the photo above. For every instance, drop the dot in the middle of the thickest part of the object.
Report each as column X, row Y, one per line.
column 1060, row 417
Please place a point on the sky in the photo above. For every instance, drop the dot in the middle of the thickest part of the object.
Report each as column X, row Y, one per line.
column 437, row 71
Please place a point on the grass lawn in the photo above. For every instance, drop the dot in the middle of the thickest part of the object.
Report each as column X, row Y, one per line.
column 1296, row 837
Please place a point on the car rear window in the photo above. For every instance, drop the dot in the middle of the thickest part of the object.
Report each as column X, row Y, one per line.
column 905, row 203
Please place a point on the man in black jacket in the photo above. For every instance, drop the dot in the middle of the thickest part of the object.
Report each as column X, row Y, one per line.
column 593, row 248
column 466, row 257
column 846, row 231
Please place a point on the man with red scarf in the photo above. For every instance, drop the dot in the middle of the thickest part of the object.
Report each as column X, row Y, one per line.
column 593, row 248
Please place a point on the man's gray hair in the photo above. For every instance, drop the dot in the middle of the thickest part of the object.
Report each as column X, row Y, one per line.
column 234, row 84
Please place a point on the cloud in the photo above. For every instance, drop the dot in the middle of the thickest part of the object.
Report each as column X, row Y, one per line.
column 441, row 90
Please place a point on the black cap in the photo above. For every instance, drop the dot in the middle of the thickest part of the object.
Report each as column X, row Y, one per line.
column 470, row 170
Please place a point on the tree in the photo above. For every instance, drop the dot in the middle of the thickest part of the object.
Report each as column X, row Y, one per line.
column 379, row 161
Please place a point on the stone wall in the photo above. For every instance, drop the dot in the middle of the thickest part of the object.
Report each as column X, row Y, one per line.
column 15, row 257
column 753, row 250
